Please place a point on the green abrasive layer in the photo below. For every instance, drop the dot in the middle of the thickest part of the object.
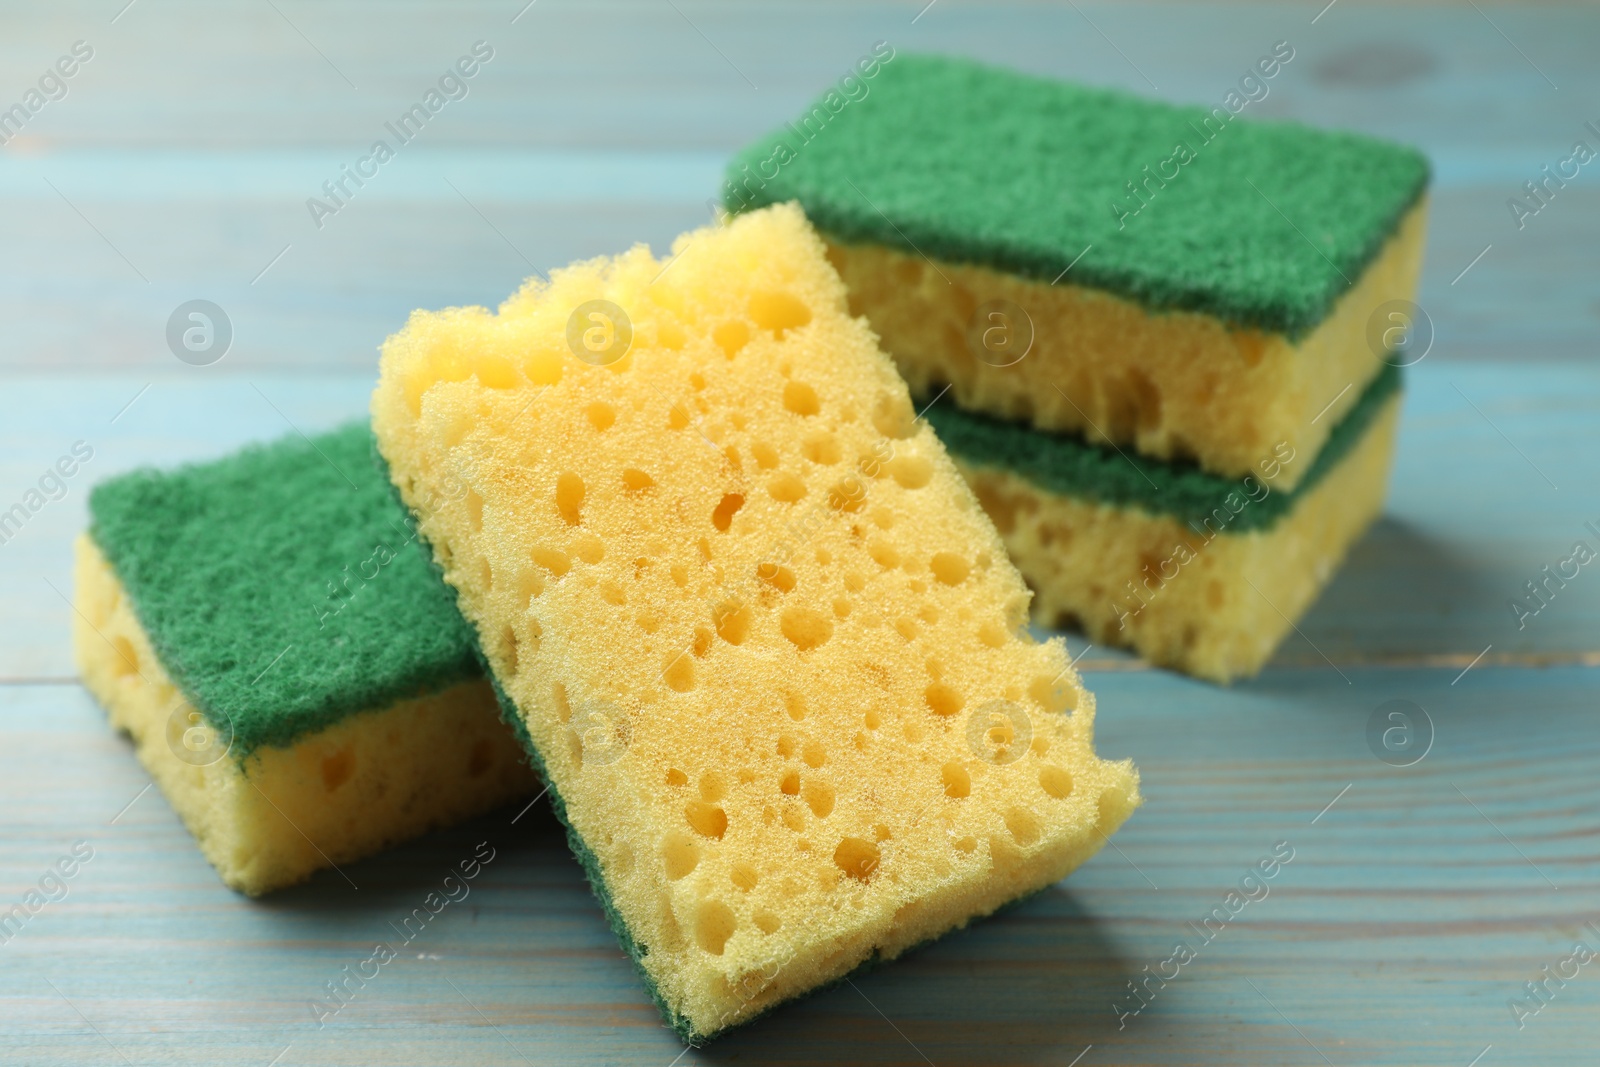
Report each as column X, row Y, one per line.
column 282, row 588
column 1069, row 466
column 1264, row 225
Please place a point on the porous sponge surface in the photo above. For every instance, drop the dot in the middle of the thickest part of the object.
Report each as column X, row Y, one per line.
column 973, row 164
column 1172, row 385
column 1064, row 465
column 1214, row 601
column 748, row 611
column 292, row 556
column 333, row 795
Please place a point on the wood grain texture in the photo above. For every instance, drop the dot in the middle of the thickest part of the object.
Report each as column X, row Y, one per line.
column 1415, row 907
column 1396, row 935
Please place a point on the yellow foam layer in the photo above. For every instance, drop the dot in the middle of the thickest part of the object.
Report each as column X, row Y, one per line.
column 1170, row 384
column 750, row 614
column 369, row 781
column 1216, row 609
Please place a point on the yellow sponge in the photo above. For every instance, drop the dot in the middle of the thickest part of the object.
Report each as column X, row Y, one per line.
column 1214, row 604
column 331, row 796
column 768, row 649
column 1171, row 384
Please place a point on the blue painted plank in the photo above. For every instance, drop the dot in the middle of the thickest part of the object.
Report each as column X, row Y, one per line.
column 1412, row 910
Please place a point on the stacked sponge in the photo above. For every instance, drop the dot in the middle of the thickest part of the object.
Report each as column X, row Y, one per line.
column 1148, row 327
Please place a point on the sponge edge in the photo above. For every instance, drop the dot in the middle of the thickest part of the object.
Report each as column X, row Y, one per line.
column 750, row 615
column 372, row 779
column 1215, row 605
column 1171, row 384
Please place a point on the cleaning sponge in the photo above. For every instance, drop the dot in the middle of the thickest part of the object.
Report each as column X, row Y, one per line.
column 1192, row 284
column 295, row 679
column 767, row 648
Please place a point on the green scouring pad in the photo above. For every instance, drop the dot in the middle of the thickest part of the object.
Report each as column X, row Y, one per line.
column 1179, row 279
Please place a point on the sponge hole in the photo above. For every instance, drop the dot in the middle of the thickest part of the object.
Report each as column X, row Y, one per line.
column 857, row 858
column 949, row 568
column 883, row 553
column 127, row 662
column 801, row 399
column 732, row 622
column 943, row 699
column 553, row 560
column 743, row 876
column 779, row 577
column 805, row 628
column 892, row 416
column 722, row 515
column 819, row 798
column 569, row 498
column 778, row 312
column 731, row 337
column 957, row 782
column 1055, row 781
column 337, row 769
column 714, row 923
column 912, row 472
column 766, row 455
column 542, row 367
column 679, row 673
column 1054, row 695
column 767, row 922
column 637, row 481
column 602, row 416
column 680, row 854
column 706, row 819
column 848, row 495
column 1024, row 827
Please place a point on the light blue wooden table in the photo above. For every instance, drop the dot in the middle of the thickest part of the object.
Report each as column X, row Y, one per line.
column 1419, row 899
